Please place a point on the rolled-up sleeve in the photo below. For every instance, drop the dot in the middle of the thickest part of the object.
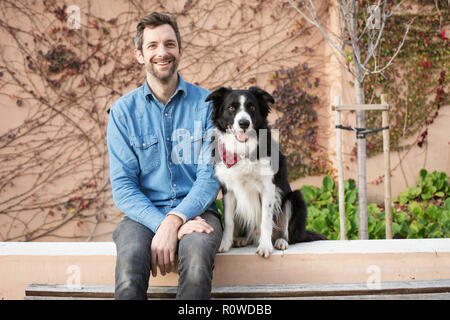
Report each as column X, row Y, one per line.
column 124, row 175
column 206, row 187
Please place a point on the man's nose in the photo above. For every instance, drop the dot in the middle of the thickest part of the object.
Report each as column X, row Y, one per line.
column 161, row 50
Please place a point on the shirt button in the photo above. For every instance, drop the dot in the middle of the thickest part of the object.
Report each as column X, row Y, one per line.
column 168, row 139
column 165, row 114
column 174, row 184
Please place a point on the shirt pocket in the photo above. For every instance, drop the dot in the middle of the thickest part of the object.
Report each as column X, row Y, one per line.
column 146, row 148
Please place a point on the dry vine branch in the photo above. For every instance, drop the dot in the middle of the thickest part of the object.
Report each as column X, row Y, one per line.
column 61, row 81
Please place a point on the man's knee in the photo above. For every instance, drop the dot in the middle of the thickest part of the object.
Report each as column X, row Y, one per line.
column 196, row 254
column 131, row 275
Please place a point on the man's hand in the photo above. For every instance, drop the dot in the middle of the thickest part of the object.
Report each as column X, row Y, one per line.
column 164, row 245
column 198, row 224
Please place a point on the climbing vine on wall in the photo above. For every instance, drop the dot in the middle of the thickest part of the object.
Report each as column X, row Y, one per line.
column 417, row 83
column 298, row 125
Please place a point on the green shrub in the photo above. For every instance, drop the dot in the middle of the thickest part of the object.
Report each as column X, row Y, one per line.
column 323, row 209
column 424, row 211
column 420, row 212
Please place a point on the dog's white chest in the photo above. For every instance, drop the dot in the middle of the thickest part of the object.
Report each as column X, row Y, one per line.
column 246, row 174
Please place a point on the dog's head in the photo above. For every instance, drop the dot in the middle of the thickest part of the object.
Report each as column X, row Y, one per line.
column 240, row 111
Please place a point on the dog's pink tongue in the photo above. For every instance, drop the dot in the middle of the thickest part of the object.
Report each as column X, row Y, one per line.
column 241, row 136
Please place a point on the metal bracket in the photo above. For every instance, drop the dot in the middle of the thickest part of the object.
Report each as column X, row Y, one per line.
column 361, row 132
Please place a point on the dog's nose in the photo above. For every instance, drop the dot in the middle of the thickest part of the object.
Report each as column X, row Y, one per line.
column 244, row 124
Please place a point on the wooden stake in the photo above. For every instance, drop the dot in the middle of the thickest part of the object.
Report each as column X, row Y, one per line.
column 387, row 171
column 341, row 191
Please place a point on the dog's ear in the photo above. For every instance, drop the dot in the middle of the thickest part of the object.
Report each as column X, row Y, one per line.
column 264, row 99
column 217, row 97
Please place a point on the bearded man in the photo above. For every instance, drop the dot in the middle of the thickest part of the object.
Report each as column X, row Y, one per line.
column 161, row 172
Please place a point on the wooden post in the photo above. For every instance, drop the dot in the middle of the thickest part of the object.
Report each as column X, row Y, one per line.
column 341, row 192
column 387, row 171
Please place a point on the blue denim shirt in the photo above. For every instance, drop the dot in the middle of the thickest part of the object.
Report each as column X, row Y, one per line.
column 160, row 156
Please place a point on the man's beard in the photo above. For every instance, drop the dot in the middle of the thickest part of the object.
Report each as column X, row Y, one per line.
column 165, row 76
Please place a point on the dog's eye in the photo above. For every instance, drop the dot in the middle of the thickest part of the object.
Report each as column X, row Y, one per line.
column 231, row 108
column 252, row 108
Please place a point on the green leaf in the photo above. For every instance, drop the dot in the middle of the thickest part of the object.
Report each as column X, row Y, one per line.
column 415, row 209
column 423, row 173
column 325, row 196
column 401, row 217
column 433, row 212
column 313, row 212
column 327, row 184
column 403, row 199
column 219, row 205
column 435, row 234
column 309, row 193
column 395, row 228
column 433, row 227
column 447, row 204
column 441, row 180
column 416, row 228
column 349, row 184
column 405, row 228
column 351, row 196
column 319, row 224
column 373, row 209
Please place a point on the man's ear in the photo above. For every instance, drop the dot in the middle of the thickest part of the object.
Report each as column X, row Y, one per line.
column 139, row 56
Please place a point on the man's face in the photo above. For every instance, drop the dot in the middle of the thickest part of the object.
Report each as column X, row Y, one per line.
column 160, row 52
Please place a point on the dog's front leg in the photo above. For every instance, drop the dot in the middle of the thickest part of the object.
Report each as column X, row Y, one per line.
column 229, row 211
column 265, row 246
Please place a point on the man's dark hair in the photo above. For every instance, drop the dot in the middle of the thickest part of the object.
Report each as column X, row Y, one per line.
column 153, row 20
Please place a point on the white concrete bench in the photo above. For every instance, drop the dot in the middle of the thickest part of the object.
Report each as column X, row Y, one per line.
column 365, row 262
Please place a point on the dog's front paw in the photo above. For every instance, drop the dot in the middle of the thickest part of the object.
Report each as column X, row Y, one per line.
column 239, row 242
column 225, row 245
column 264, row 250
column 281, row 244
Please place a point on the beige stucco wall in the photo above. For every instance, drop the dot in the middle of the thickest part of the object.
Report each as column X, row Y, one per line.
column 334, row 81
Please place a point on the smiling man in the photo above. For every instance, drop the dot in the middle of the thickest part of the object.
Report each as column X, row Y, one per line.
column 170, row 214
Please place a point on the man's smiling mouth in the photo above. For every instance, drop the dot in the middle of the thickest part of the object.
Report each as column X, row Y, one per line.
column 163, row 63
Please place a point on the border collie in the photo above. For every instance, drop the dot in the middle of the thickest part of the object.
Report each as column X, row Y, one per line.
column 259, row 205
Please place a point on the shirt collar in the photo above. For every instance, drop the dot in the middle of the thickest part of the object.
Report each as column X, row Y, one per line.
column 181, row 88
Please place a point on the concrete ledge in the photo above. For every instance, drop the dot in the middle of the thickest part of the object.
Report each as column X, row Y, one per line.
column 365, row 261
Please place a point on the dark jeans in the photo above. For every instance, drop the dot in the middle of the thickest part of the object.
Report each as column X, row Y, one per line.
column 196, row 253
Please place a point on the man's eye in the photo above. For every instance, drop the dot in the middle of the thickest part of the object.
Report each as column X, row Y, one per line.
column 231, row 108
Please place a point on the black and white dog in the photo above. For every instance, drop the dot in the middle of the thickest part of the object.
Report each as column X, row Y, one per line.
column 259, row 205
